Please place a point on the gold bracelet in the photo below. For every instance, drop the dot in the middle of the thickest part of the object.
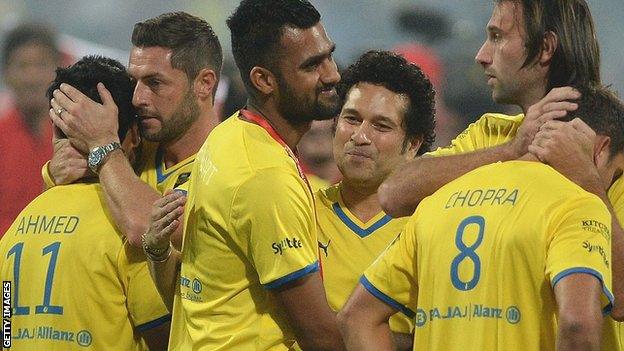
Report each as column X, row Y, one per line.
column 156, row 255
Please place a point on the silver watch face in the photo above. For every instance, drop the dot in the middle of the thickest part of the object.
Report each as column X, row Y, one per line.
column 95, row 157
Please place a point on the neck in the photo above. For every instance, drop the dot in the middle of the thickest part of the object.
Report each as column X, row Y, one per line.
column 533, row 96
column 191, row 141
column 289, row 132
column 361, row 201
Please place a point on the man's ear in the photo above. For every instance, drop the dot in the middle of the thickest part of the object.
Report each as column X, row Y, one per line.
column 549, row 46
column 413, row 147
column 205, row 84
column 132, row 139
column 263, row 80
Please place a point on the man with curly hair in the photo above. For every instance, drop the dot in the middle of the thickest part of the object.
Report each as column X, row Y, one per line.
column 387, row 118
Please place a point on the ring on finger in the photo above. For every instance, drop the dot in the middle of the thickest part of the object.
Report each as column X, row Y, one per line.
column 60, row 111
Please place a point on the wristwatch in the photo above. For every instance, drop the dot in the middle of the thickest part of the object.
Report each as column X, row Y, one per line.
column 98, row 155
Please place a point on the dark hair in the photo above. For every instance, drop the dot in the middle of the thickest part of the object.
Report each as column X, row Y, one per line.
column 85, row 74
column 257, row 27
column 601, row 109
column 394, row 73
column 193, row 43
column 576, row 61
column 29, row 34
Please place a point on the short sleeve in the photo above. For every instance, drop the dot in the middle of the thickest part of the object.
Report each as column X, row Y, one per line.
column 616, row 196
column 145, row 305
column 393, row 277
column 488, row 131
column 273, row 215
column 581, row 243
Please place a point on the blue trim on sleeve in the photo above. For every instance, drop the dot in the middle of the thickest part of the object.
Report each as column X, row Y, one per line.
column 605, row 310
column 153, row 324
column 361, row 232
column 293, row 276
column 385, row 298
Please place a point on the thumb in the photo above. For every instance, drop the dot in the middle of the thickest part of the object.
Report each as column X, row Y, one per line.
column 105, row 95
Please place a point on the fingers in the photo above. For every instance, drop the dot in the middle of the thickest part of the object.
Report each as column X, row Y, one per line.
column 58, row 121
column 166, row 214
column 71, row 93
column 562, row 93
column 105, row 95
column 61, row 100
column 560, row 105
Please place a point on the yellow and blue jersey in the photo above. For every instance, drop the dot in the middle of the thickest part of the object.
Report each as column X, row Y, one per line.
column 249, row 228
column 494, row 129
column 157, row 175
column 478, row 261
column 347, row 246
column 76, row 284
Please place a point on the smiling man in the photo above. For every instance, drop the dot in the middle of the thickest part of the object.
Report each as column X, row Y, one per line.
column 387, row 118
column 249, row 266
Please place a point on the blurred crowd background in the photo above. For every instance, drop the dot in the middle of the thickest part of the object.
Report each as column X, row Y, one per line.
column 442, row 36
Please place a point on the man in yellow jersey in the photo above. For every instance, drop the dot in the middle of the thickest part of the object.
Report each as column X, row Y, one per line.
column 521, row 261
column 534, row 49
column 176, row 60
column 387, row 118
column 249, row 277
column 75, row 283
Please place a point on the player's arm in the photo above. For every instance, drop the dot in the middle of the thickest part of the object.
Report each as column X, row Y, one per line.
column 308, row 313
column 157, row 338
column 363, row 322
column 403, row 341
column 569, row 148
column 88, row 124
column 166, row 219
column 579, row 312
column 403, row 190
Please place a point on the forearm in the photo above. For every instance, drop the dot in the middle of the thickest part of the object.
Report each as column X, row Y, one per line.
column 128, row 198
column 578, row 337
column 166, row 276
column 591, row 182
column 359, row 334
column 403, row 190
column 403, row 341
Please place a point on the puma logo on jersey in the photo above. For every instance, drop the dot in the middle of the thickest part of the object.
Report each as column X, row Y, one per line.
column 324, row 247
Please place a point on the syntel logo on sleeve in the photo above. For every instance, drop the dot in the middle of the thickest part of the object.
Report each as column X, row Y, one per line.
column 285, row 244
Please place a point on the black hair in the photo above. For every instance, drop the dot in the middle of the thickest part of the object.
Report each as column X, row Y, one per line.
column 193, row 43
column 396, row 74
column 601, row 109
column 85, row 74
column 257, row 27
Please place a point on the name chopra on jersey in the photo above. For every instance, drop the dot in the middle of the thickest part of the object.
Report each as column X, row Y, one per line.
column 38, row 224
column 481, row 197
column 285, row 244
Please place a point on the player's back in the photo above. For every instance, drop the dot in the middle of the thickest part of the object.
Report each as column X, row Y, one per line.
column 491, row 245
column 65, row 262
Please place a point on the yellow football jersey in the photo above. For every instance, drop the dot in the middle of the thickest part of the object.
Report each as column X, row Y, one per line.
column 477, row 262
column 249, row 228
column 157, row 175
column 494, row 129
column 75, row 284
column 347, row 246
